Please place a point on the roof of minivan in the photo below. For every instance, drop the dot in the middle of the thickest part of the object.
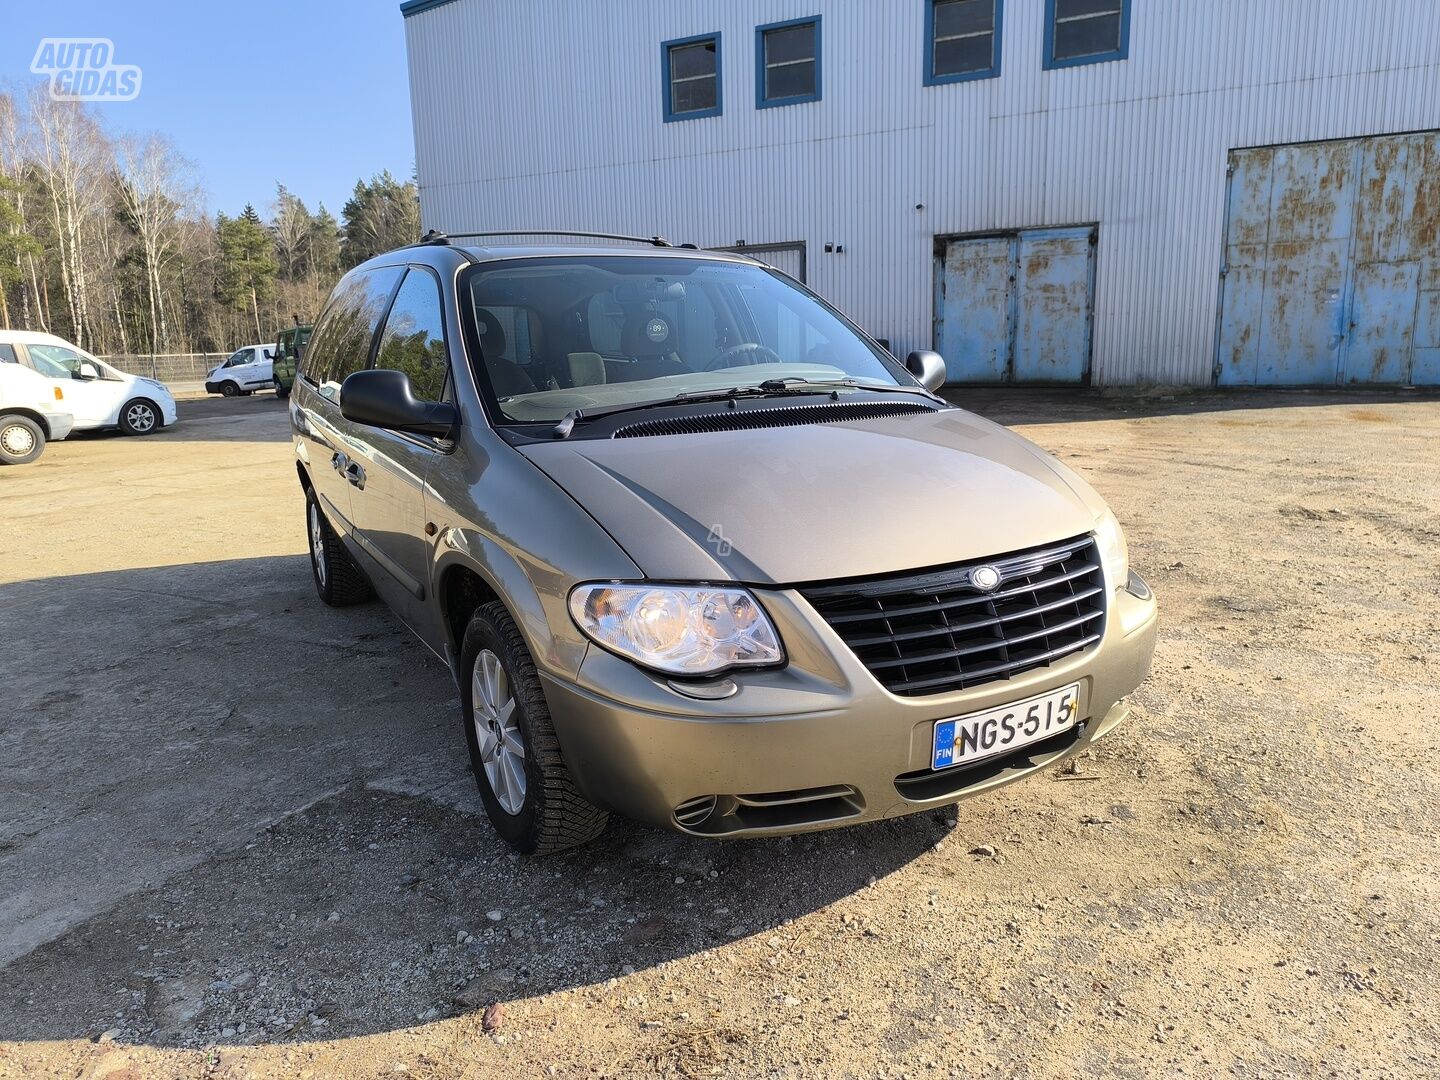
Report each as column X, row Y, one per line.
column 32, row 337
column 492, row 253
column 498, row 252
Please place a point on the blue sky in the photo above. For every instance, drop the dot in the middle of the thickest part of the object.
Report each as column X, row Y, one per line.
column 311, row 93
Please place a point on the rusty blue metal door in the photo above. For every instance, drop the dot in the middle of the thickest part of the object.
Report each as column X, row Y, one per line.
column 1016, row 307
column 1332, row 269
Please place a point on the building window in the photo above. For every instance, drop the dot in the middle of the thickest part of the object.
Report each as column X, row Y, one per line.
column 692, row 77
column 962, row 40
column 1086, row 32
column 787, row 63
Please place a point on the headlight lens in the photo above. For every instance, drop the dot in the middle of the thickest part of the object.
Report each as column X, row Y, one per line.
column 680, row 631
column 1113, row 552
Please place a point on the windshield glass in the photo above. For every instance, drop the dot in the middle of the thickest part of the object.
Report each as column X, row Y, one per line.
column 592, row 332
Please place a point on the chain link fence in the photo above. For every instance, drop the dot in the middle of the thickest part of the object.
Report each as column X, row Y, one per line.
column 167, row 367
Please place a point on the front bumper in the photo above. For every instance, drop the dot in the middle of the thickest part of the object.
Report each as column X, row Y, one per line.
column 60, row 424
column 819, row 743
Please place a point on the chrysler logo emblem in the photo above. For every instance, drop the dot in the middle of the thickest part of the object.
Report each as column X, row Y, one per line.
column 985, row 578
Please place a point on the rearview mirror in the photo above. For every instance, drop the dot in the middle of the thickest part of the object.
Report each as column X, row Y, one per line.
column 928, row 367
column 87, row 372
column 385, row 399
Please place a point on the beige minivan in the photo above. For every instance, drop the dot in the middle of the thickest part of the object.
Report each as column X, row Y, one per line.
column 697, row 550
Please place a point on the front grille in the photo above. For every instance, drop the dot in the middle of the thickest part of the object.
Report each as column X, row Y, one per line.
column 934, row 632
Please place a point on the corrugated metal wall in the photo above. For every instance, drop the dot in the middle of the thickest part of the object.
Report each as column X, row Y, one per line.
column 549, row 112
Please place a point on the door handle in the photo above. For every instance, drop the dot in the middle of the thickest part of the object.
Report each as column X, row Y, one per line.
column 355, row 474
column 339, row 462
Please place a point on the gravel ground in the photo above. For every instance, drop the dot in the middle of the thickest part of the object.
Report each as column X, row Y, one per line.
column 237, row 838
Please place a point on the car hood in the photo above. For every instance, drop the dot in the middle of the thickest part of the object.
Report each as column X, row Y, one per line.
column 779, row 506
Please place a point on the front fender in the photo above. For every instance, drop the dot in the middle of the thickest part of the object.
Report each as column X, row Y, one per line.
column 537, row 597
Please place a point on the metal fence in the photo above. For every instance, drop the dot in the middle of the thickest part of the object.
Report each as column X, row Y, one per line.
column 167, row 367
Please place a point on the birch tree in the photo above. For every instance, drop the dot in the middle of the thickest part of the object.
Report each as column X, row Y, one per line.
column 156, row 188
column 72, row 159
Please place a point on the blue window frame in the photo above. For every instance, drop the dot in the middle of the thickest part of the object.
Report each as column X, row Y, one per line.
column 787, row 63
column 693, row 85
column 962, row 40
column 1086, row 32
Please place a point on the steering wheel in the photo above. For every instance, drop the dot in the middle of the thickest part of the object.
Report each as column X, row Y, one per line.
column 754, row 353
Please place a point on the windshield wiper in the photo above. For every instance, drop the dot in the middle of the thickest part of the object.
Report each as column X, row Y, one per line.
column 791, row 386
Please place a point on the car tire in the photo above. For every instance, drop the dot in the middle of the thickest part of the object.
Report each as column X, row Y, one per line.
column 282, row 392
column 545, row 811
column 230, row 389
column 140, row 416
column 21, row 440
column 339, row 582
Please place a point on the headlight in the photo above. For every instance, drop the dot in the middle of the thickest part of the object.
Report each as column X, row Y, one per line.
column 1113, row 552
column 680, row 631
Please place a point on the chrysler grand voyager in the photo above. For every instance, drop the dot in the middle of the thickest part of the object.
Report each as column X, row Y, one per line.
column 696, row 549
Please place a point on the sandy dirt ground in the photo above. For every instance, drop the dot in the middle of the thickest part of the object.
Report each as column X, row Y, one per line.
column 238, row 837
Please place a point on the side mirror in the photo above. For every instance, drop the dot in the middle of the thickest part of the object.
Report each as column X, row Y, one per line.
column 269, row 355
column 928, row 367
column 87, row 371
column 385, row 399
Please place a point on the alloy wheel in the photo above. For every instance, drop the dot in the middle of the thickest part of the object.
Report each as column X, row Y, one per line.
column 140, row 416
column 317, row 544
column 497, row 731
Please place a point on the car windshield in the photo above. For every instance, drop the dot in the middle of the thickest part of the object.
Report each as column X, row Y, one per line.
column 598, row 332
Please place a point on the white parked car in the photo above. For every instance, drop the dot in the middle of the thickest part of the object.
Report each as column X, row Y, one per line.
column 32, row 413
column 247, row 370
column 96, row 394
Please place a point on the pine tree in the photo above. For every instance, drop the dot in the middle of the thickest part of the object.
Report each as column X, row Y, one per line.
column 247, row 267
column 380, row 216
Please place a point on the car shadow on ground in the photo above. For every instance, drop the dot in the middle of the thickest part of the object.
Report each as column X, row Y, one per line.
column 297, row 852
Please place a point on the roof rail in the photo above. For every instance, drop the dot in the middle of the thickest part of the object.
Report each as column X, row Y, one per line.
column 434, row 236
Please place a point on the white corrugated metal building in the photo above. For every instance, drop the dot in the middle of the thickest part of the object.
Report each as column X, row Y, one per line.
column 1047, row 190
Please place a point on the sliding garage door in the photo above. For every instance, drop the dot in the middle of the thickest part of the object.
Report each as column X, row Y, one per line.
column 1332, row 264
column 1016, row 307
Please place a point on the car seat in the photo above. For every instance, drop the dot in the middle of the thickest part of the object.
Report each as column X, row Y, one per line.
column 507, row 377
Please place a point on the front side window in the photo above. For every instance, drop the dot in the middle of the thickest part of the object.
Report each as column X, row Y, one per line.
column 1086, row 31
column 692, row 78
column 346, row 330
column 57, row 362
column 787, row 63
column 605, row 330
column 238, row 358
column 413, row 341
column 962, row 40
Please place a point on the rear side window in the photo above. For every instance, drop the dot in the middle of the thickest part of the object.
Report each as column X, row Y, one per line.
column 414, row 337
column 7, row 354
column 343, row 336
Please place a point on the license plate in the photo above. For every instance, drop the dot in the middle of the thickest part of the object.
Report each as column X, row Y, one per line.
column 998, row 731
